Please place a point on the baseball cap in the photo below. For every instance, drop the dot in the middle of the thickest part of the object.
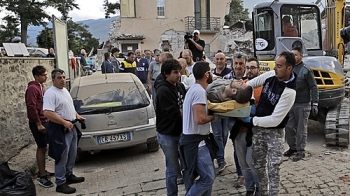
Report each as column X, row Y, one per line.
column 196, row 31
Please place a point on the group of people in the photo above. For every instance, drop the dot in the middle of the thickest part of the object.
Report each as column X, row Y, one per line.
column 181, row 88
column 281, row 100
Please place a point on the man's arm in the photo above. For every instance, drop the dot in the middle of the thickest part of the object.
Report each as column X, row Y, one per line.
column 313, row 86
column 200, row 115
column 260, row 80
column 199, row 47
column 149, row 79
column 52, row 116
column 281, row 110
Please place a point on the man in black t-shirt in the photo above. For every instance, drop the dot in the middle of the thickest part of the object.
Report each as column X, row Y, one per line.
column 196, row 45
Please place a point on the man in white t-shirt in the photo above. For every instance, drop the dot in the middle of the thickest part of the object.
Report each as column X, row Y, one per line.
column 63, row 139
column 197, row 145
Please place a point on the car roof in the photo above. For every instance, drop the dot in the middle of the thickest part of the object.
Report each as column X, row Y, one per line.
column 105, row 78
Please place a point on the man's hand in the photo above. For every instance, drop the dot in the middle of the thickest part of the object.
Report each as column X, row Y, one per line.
column 68, row 125
column 81, row 118
column 41, row 128
column 217, row 118
column 314, row 110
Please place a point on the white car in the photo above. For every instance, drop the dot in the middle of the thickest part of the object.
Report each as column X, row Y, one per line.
column 118, row 111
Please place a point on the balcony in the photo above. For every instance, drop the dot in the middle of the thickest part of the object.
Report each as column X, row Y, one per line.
column 203, row 24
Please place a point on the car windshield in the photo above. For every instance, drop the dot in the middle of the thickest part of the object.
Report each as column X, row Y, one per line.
column 109, row 97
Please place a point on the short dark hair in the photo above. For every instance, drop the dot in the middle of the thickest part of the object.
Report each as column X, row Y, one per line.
column 55, row 71
column 244, row 95
column 199, row 69
column 297, row 48
column 169, row 65
column 114, row 50
column 239, row 55
column 38, row 70
column 254, row 59
column 106, row 55
column 130, row 53
column 290, row 58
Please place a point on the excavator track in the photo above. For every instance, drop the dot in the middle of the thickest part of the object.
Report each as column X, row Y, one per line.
column 337, row 124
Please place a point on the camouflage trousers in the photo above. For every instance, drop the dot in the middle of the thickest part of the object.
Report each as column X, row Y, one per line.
column 267, row 153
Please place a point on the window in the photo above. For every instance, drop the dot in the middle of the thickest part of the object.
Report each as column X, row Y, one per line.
column 127, row 8
column 160, row 8
column 110, row 97
column 305, row 19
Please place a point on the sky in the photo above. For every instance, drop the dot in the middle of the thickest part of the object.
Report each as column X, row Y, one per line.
column 93, row 9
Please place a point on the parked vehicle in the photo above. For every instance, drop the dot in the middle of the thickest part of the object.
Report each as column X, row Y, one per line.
column 118, row 110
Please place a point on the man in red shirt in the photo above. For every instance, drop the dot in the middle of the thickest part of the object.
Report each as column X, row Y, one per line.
column 37, row 121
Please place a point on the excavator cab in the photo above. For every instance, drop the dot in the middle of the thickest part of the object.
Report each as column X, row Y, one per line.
column 280, row 26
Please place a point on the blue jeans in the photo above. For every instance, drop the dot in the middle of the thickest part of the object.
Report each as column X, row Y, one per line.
column 245, row 160
column 206, row 171
column 220, row 131
column 169, row 145
column 65, row 166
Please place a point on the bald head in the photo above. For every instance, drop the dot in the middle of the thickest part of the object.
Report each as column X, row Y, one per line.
column 220, row 61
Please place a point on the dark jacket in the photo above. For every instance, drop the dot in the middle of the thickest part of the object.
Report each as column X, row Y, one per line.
column 56, row 139
column 34, row 102
column 305, row 83
column 107, row 67
column 270, row 95
column 188, row 152
column 82, row 60
column 142, row 69
column 169, row 102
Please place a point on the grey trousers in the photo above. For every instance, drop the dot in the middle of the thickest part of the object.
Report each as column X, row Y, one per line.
column 296, row 128
column 267, row 158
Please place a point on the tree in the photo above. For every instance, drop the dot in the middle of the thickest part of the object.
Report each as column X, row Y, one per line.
column 236, row 13
column 31, row 12
column 110, row 8
column 78, row 37
column 45, row 38
column 9, row 30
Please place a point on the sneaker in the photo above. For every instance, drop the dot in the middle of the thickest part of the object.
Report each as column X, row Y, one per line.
column 73, row 179
column 239, row 182
column 300, row 155
column 44, row 182
column 289, row 152
column 249, row 193
column 64, row 188
column 221, row 167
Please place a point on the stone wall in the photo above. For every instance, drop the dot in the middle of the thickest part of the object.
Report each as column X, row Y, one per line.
column 15, row 73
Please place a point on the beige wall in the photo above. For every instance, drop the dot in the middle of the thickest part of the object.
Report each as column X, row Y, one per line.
column 147, row 23
column 15, row 73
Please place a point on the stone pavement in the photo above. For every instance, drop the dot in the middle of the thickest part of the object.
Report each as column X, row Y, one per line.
column 134, row 171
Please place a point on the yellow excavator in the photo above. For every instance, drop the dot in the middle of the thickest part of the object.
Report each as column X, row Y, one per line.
column 325, row 57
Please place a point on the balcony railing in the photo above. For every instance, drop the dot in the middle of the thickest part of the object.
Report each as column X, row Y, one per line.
column 203, row 24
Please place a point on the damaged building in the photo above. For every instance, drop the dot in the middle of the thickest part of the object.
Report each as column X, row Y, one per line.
column 159, row 24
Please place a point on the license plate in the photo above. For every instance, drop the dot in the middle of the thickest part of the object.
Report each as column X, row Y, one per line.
column 113, row 138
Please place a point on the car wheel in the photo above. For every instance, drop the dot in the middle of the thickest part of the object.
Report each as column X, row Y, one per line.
column 153, row 146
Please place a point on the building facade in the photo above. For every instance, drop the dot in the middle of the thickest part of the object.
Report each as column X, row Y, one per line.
column 159, row 24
